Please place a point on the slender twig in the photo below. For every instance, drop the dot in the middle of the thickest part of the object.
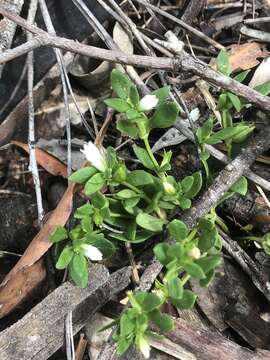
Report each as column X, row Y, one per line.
column 260, row 279
column 60, row 61
column 227, row 177
column 184, row 62
column 105, row 36
column 33, row 167
column 181, row 23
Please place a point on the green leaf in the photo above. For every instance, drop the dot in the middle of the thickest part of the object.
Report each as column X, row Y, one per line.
column 99, row 200
column 240, row 186
column 59, row 233
column 149, row 222
column 127, row 325
column 222, row 135
column 129, row 204
column 263, row 88
column 209, row 277
column 119, row 105
column 235, row 101
column 148, row 301
column 123, row 344
column 204, row 131
column 83, row 174
column 139, row 178
column 184, row 203
column 110, row 157
column 187, row 183
column 208, row 239
column 64, row 258
column 120, row 84
column 241, row 76
column 164, row 116
column 143, row 156
column 133, row 114
column 187, row 302
column 178, row 230
column 196, row 186
column 194, row 270
column 94, row 184
column 223, row 102
column 243, row 132
column 83, row 211
column 163, row 321
column 175, row 288
column 226, row 119
column 160, row 251
column 161, row 93
column 127, row 194
column 105, row 246
column 176, row 251
column 127, row 128
column 134, row 95
column 223, row 63
column 78, row 270
column 209, row 262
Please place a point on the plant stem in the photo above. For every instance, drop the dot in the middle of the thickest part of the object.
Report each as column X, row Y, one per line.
column 151, row 155
column 138, row 191
column 185, row 279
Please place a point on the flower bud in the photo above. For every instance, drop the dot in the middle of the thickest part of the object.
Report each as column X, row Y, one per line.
column 120, row 174
column 195, row 253
column 169, row 188
column 148, row 102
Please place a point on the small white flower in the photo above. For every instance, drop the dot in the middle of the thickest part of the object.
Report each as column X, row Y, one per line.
column 148, row 102
column 195, row 253
column 144, row 346
column 91, row 252
column 94, row 156
column 169, row 188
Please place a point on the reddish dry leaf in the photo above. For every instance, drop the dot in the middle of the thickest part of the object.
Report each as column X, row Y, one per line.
column 20, row 286
column 47, row 161
column 36, row 249
column 244, row 56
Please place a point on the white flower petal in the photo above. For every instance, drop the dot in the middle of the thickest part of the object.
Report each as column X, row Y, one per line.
column 92, row 252
column 144, row 346
column 148, row 102
column 94, row 156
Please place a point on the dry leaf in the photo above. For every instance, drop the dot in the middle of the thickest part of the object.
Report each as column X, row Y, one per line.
column 262, row 74
column 20, row 286
column 47, row 161
column 17, row 280
column 244, row 56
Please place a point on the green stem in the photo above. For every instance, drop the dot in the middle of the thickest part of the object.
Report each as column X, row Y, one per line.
column 138, row 191
column 151, row 155
column 185, row 279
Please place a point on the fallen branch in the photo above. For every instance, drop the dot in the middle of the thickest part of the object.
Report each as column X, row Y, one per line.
column 40, row 333
column 184, row 62
column 208, row 345
column 227, row 177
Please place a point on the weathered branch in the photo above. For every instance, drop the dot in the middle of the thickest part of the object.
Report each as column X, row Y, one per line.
column 41, row 332
column 184, row 62
column 227, row 177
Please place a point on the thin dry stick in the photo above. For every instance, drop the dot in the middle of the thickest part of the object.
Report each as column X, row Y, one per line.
column 81, row 347
column 181, row 23
column 33, row 167
column 105, row 36
column 184, row 62
column 227, row 177
column 60, row 61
